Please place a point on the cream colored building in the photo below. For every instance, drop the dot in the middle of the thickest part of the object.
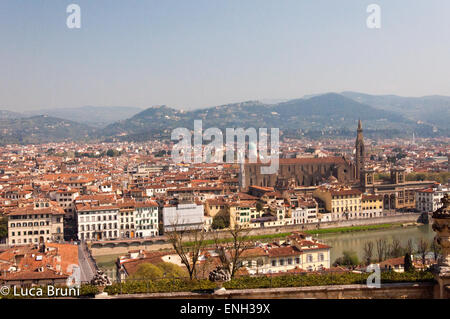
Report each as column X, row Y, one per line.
column 41, row 222
column 372, row 206
column 297, row 252
column 342, row 203
column 97, row 222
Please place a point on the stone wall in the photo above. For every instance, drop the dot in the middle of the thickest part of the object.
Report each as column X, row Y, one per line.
column 387, row 291
column 399, row 218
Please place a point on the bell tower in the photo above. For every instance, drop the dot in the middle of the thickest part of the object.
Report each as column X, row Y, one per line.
column 360, row 153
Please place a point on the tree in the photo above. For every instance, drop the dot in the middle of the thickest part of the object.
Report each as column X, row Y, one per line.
column 110, row 153
column 422, row 249
column 230, row 252
column 368, row 252
column 3, row 227
column 436, row 250
column 220, row 222
column 348, row 258
column 409, row 247
column 171, row 270
column 381, row 249
column 189, row 252
column 395, row 249
column 147, row 271
column 408, row 263
column 259, row 206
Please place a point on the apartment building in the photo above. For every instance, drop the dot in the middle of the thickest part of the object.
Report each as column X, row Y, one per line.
column 342, row 203
column 38, row 223
column 126, row 219
column 97, row 221
column 429, row 199
column 296, row 252
column 306, row 212
column 66, row 198
column 371, row 206
column 146, row 219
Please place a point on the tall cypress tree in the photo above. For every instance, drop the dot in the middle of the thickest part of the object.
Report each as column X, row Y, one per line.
column 408, row 263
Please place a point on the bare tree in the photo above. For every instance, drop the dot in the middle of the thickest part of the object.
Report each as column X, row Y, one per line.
column 368, row 252
column 230, row 252
column 422, row 248
column 436, row 250
column 409, row 247
column 188, row 244
column 395, row 249
column 381, row 249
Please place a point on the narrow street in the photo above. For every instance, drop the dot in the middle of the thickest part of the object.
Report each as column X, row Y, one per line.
column 87, row 267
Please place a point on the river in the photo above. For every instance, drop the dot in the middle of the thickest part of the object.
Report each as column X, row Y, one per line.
column 339, row 242
column 355, row 241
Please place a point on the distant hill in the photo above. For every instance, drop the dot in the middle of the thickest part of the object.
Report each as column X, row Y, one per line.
column 42, row 129
column 323, row 114
column 6, row 115
column 98, row 116
column 433, row 109
column 315, row 116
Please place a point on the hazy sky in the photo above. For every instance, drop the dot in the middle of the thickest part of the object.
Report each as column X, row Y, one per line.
column 198, row 53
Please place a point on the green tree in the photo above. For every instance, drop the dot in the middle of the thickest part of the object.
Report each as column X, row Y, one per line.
column 259, row 206
column 348, row 258
column 408, row 263
column 220, row 222
column 3, row 227
column 422, row 249
column 171, row 270
column 147, row 271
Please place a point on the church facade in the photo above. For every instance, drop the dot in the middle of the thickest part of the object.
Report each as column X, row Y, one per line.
column 297, row 172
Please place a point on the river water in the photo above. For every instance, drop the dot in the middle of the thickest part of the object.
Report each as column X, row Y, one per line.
column 355, row 241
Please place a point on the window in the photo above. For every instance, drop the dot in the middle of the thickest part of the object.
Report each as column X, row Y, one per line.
column 274, row 263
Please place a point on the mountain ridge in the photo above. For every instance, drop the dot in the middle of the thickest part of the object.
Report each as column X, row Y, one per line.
column 321, row 115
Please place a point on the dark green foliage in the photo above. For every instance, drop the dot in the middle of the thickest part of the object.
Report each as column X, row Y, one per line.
column 259, row 206
column 408, row 263
column 113, row 153
column 3, row 227
column 348, row 259
column 247, row 282
column 220, row 222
